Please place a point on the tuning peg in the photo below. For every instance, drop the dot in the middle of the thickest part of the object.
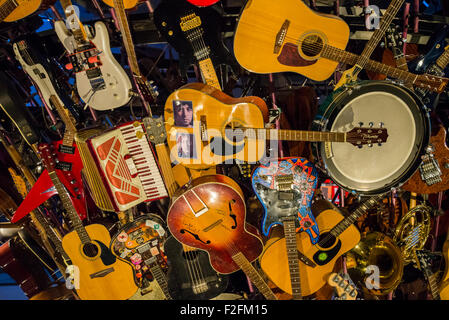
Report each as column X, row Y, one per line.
column 360, row 123
column 381, row 124
column 370, row 145
column 360, row 146
column 371, row 124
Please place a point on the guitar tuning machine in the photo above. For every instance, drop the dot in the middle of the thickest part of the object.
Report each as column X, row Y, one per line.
column 381, row 124
column 360, row 123
column 371, row 124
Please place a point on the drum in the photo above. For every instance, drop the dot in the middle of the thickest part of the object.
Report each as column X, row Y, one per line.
column 374, row 169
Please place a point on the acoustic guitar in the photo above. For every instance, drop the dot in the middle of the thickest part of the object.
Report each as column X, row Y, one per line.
column 206, row 127
column 209, row 214
column 444, row 284
column 337, row 236
column 13, row 10
column 286, row 35
column 285, row 188
column 101, row 276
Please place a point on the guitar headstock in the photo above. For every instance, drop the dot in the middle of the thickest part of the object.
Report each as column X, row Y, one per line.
column 393, row 39
column 189, row 22
column 345, row 289
column 155, row 129
column 431, row 82
column 147, row 89
column 19, row 183
column 360, row 136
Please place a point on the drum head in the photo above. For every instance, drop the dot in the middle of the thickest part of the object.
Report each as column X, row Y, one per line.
column 376, row 169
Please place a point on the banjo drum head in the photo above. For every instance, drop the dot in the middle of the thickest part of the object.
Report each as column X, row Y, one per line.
column 376, row 169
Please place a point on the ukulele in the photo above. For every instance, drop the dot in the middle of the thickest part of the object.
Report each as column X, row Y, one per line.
column 101, row 275
column 285, row 188
column 13, row 10
column 337, row 236
column 217, row 128
column 287, row 35
column 140, row 243
column 101, row 81
column 209, row 214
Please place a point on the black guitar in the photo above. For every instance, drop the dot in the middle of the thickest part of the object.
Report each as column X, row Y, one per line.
column 190, row 275
column 195, row 33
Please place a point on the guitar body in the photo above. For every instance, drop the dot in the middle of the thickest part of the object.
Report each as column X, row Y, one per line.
column 203, row 3
column 213, row 111
column 274, row 258
column 141, row 244
column 441, row 154
column 209, row 214
column 128, row 4
column 167, row 18
column 116, row 284
column 117, row 84
column 26, row 8
column 183, row 284
column 285, row 188
column 444, row 286
column 264, row 23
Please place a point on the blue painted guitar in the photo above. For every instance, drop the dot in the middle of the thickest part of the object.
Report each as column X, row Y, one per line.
column 285, row 188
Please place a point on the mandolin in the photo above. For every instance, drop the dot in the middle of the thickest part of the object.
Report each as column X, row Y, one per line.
column 209, row 214
column 285, row 188
column 13, row 10
column 337, row 236
column 287, row 35
column 206, row 127
column 101, row 276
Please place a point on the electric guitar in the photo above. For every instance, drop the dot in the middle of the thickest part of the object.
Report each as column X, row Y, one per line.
column 101, row 81
column 285, row 188
column 337, row 236
column 140, row 243
column 143, row 85
column 287, row 35
column 101, row 276
column 423, row 263
column 13, row 10
column 195, row 33
column 217, row 128
column 209, row 214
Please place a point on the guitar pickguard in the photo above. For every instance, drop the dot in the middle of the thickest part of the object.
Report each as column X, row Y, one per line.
column 289, row 56
column 220, row 147
column 106, row 255
column 322, row 257
column 285, row 188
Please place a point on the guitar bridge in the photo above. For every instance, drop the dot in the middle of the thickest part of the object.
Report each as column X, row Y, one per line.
column 101, row 273
column 429, row 169
column 280, row 37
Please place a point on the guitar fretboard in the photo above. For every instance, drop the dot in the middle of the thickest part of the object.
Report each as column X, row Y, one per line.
column 292, row 135
column 78, row 31
column 360, row 211
column 159, row 275
column 443, row 60
column 6, row 8
column 253, row 275
column 292, row 256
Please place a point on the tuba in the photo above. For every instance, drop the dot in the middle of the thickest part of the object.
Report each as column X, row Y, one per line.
column 376, row 250
column 412, row 231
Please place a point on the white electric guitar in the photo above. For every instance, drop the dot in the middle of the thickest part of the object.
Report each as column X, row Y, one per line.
column 101, row 81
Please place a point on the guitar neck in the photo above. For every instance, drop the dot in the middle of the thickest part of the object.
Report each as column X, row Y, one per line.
column 387, row 18
column 167, row 172
column 339, row 55
column 68, row 206
column 208, row 73
column 119, row 9
column 292, row 256
column 253, row 275
column 360, row 211
column 161, row 279
column 67, row 118
column 78, row 31
column 294, row 135
column 434, row 290
column 6, row 8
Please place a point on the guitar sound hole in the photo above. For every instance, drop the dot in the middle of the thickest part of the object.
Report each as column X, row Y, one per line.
column 234, row 132
column 326, row 240
column 90, row 250
column 312, row 45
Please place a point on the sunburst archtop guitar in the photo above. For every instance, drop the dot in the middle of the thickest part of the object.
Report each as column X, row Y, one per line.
column 286, row 35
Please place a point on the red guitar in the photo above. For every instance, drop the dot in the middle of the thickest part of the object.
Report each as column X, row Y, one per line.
column 209, row 214
column 69, row 173
column 203, row 3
